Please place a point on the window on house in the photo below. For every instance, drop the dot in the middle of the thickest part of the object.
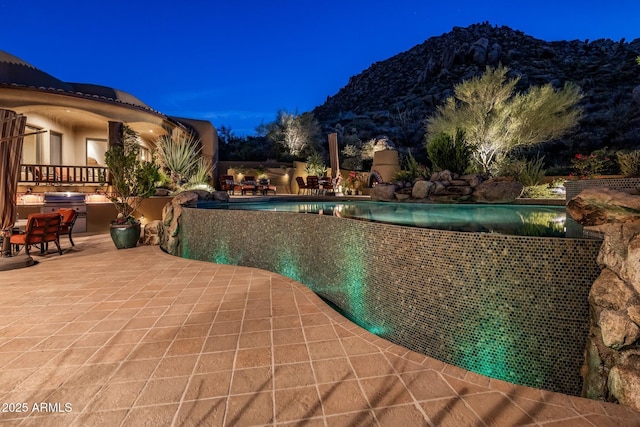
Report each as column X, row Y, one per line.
column 95, row 152
column 145, row 153
column 55, row 148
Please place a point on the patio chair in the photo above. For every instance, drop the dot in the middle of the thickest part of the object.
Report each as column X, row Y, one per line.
column 264, row 186
column 313, row 184
column 227, row 184
column 302, row 186
column 42, row 228
column 69, row 217
column 327, row 185
column 249, row 184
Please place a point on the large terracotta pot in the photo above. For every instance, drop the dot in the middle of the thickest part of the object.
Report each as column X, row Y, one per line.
column 125, row 235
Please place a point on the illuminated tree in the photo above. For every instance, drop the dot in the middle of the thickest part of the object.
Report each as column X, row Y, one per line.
column 496, row 120
column 296, row 133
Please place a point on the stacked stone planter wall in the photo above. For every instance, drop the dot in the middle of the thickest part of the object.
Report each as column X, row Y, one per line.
column 446, row 186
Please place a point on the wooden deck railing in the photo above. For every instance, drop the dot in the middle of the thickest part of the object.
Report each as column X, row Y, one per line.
column 60, row 174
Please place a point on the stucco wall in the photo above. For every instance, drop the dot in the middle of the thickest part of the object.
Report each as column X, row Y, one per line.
column 509, row 307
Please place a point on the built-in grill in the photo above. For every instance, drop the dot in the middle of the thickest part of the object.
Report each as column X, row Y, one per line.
column 56, row 200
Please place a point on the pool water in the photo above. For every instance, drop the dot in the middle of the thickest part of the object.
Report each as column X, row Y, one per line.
column 519, row 220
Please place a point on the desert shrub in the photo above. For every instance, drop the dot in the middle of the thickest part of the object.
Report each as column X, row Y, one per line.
column 411, row 169
column 599, row 162
column 532, row 172
column 315, row 165
column 508, row 166
column 450, row 152
column 497, row 119
column 352, row 157
column 201, row 174
column 542, row 191
column 402, row 176
column 629, row 163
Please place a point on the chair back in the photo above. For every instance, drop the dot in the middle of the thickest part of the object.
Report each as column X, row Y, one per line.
column 226, row 182
column 42, row 227
column 300, row 181
column 312, row 181
column 250, row 180
column 68, row 219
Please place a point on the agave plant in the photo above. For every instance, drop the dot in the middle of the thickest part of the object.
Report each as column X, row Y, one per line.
column 179, row 155
column 201, row 173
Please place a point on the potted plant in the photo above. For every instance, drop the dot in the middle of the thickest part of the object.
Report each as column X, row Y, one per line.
column 132, row 181
column 353, row 182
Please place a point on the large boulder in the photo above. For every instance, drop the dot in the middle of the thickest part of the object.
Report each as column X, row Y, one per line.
column 617, row 329
column 169, row 229
column 636, row 94
column 151, row 234
column 610, row 292
column 493, row 191
column 421, row 189
column 620, row 251
column 383, row 192
column 594, row 383
column 472, row 179
column 220, row 196
column 186, row 198
column 596, row 206
column 624, row 384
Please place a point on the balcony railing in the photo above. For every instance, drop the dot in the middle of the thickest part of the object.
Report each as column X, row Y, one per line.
column 59, row 174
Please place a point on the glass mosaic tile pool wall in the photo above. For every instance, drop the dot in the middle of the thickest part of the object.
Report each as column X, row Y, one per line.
column 513, row 308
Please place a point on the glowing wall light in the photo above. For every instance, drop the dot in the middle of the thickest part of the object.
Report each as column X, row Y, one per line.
column 287, row 265
column 354, row 285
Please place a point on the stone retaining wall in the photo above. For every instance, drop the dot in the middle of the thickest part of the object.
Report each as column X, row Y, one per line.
column 612, row 357
column 513, row 308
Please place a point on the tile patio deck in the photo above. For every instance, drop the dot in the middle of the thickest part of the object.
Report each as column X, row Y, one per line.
column 137, row 337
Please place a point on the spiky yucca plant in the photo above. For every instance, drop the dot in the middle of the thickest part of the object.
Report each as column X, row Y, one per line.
column 201, row 174
column 179, row 156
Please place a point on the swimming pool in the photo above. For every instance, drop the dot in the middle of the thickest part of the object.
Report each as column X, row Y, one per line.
column 518, row 220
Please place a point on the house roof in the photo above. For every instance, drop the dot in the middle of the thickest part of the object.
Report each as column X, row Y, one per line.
column 15, row 71
column 18, row 73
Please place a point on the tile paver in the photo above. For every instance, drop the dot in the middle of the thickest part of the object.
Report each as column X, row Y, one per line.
column 138, row 337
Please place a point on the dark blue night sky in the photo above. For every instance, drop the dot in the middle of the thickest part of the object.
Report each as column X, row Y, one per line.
column 236, row 63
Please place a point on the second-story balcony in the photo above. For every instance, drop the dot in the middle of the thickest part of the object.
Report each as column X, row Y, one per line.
column 62, row 174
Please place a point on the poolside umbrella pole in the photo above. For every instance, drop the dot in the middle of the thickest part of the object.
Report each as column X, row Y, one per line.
column 12, row 127
column 334, row 161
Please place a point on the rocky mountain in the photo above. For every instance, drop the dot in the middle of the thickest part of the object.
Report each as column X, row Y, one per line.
column 393, row 97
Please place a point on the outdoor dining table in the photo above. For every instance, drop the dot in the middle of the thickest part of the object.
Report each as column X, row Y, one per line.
column 20, row 225
column 321, row 183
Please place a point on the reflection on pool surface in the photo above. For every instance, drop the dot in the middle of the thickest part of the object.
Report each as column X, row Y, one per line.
column 520, row 220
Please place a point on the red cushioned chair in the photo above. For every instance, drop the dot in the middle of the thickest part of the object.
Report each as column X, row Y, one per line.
column 249, row 184
column 69, row 217
column 42, row 228
column 302, row 186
